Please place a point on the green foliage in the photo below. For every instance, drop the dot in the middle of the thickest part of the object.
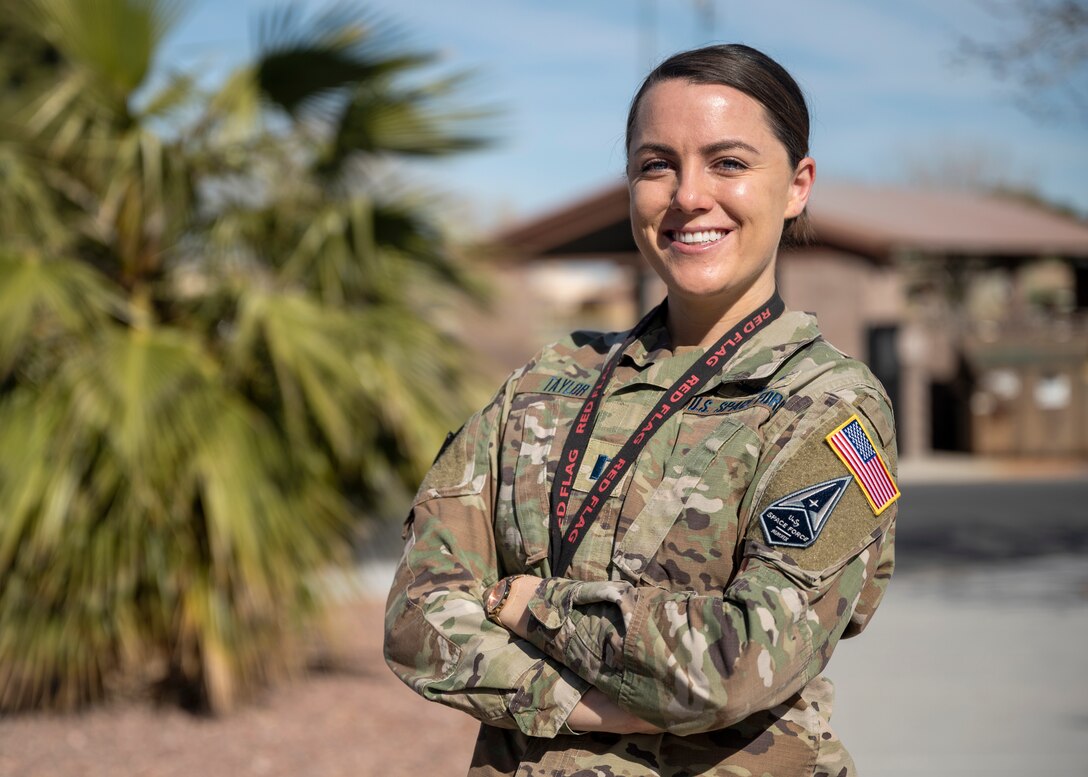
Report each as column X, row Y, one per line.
column 215, row 348
column 27, row 64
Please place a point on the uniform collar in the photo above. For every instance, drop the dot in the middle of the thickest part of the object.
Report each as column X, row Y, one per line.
column 756, row 360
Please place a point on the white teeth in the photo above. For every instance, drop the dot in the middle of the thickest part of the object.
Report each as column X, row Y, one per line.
column 708, row 236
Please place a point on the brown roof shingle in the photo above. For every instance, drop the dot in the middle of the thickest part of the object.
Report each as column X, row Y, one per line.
column 945, row 222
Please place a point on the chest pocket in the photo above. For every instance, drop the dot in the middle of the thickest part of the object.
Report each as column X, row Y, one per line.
column 522, row 510
column 538, row 426
column 687, row 514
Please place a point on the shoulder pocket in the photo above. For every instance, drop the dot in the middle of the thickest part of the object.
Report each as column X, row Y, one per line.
column 460, row 468
column 820, row 507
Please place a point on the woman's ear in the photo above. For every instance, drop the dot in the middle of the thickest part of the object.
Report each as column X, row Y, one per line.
column 804, row 175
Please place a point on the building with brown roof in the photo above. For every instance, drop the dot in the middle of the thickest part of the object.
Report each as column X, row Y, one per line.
column 971, row 308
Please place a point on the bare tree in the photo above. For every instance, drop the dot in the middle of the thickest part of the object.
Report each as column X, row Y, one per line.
column 1042, row 53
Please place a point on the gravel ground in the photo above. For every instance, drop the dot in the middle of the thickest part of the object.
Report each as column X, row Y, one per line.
column 357, row 720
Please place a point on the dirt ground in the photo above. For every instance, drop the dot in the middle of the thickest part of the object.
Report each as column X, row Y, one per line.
column 356, row 720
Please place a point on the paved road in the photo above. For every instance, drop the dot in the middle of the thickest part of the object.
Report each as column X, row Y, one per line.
column 992, row 520
column 971, row 670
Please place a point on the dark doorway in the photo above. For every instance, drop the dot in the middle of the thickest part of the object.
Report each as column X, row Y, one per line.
column 950, row 411
column 884, row 362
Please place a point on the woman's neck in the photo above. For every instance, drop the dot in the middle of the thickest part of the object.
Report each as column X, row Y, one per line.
column 697, row 323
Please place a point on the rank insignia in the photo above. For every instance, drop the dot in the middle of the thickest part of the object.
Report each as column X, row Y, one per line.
column 853, row 445
column 796, row 519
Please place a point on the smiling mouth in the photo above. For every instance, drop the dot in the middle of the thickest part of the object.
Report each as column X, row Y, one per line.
column 696, row 237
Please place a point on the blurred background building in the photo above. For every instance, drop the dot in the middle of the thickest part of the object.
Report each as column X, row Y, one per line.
column 971, row 308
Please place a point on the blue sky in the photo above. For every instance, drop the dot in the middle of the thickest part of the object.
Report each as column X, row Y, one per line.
column 888, row 102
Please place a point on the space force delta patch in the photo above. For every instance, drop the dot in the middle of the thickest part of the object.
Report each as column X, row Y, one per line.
column 796, row 519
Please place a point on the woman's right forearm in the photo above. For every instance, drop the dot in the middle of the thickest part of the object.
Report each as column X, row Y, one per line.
column 596, row 712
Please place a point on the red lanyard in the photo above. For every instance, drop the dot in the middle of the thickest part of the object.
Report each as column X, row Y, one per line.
column 564, row 545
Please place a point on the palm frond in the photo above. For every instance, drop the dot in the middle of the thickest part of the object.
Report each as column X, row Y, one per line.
column 407, row 368
column 308, row 344
column 29, row 213
column 39, row 296
column 336, row 252
column 178, row 93
column 303, row 63
column 151, row 511
column 410, row 122
column 405, row 232
column 55, row 109
column 147, row 195
column 112, row 40
column 357, row 250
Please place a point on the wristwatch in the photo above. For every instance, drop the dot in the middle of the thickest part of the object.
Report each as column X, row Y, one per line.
column 496, row 598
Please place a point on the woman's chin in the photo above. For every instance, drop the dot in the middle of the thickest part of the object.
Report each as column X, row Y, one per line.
column 705, row 292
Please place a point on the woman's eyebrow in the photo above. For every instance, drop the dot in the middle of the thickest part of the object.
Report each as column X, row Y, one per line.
column 719, row 147
column 656, row 148
column 732, row 144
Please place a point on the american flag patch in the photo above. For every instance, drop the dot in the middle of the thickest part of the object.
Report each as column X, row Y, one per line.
column 854, row 446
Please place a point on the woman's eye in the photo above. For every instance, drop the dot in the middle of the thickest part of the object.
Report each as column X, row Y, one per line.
column 732, row 164
column 654, row 165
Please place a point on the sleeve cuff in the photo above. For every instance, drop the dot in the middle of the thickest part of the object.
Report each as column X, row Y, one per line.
column 579, row 624
column 554, row 616
column 545, row 699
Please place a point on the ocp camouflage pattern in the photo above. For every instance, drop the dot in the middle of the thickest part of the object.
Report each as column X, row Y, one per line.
column 677, row 605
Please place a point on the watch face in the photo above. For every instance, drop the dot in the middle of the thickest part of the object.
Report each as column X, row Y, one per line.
column 498, row 593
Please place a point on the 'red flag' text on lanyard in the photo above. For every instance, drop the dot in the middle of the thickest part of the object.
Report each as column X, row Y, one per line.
column 564, row 543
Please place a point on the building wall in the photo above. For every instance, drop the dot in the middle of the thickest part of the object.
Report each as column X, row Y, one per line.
column 861, row 307
column 849, row 294
column 534, row 304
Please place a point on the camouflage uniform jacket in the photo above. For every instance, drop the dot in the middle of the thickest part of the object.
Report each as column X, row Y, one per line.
column 682, row 603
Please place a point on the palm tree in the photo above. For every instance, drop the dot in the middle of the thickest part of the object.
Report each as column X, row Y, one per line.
column 215, row 352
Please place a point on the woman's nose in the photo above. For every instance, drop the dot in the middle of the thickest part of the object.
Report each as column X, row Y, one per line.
column 692, row 192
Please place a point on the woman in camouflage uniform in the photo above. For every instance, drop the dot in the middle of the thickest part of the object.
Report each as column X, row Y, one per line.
column 638, row 558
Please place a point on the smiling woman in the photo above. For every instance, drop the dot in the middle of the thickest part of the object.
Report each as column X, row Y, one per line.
column 647, row 576
column 711, row 188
